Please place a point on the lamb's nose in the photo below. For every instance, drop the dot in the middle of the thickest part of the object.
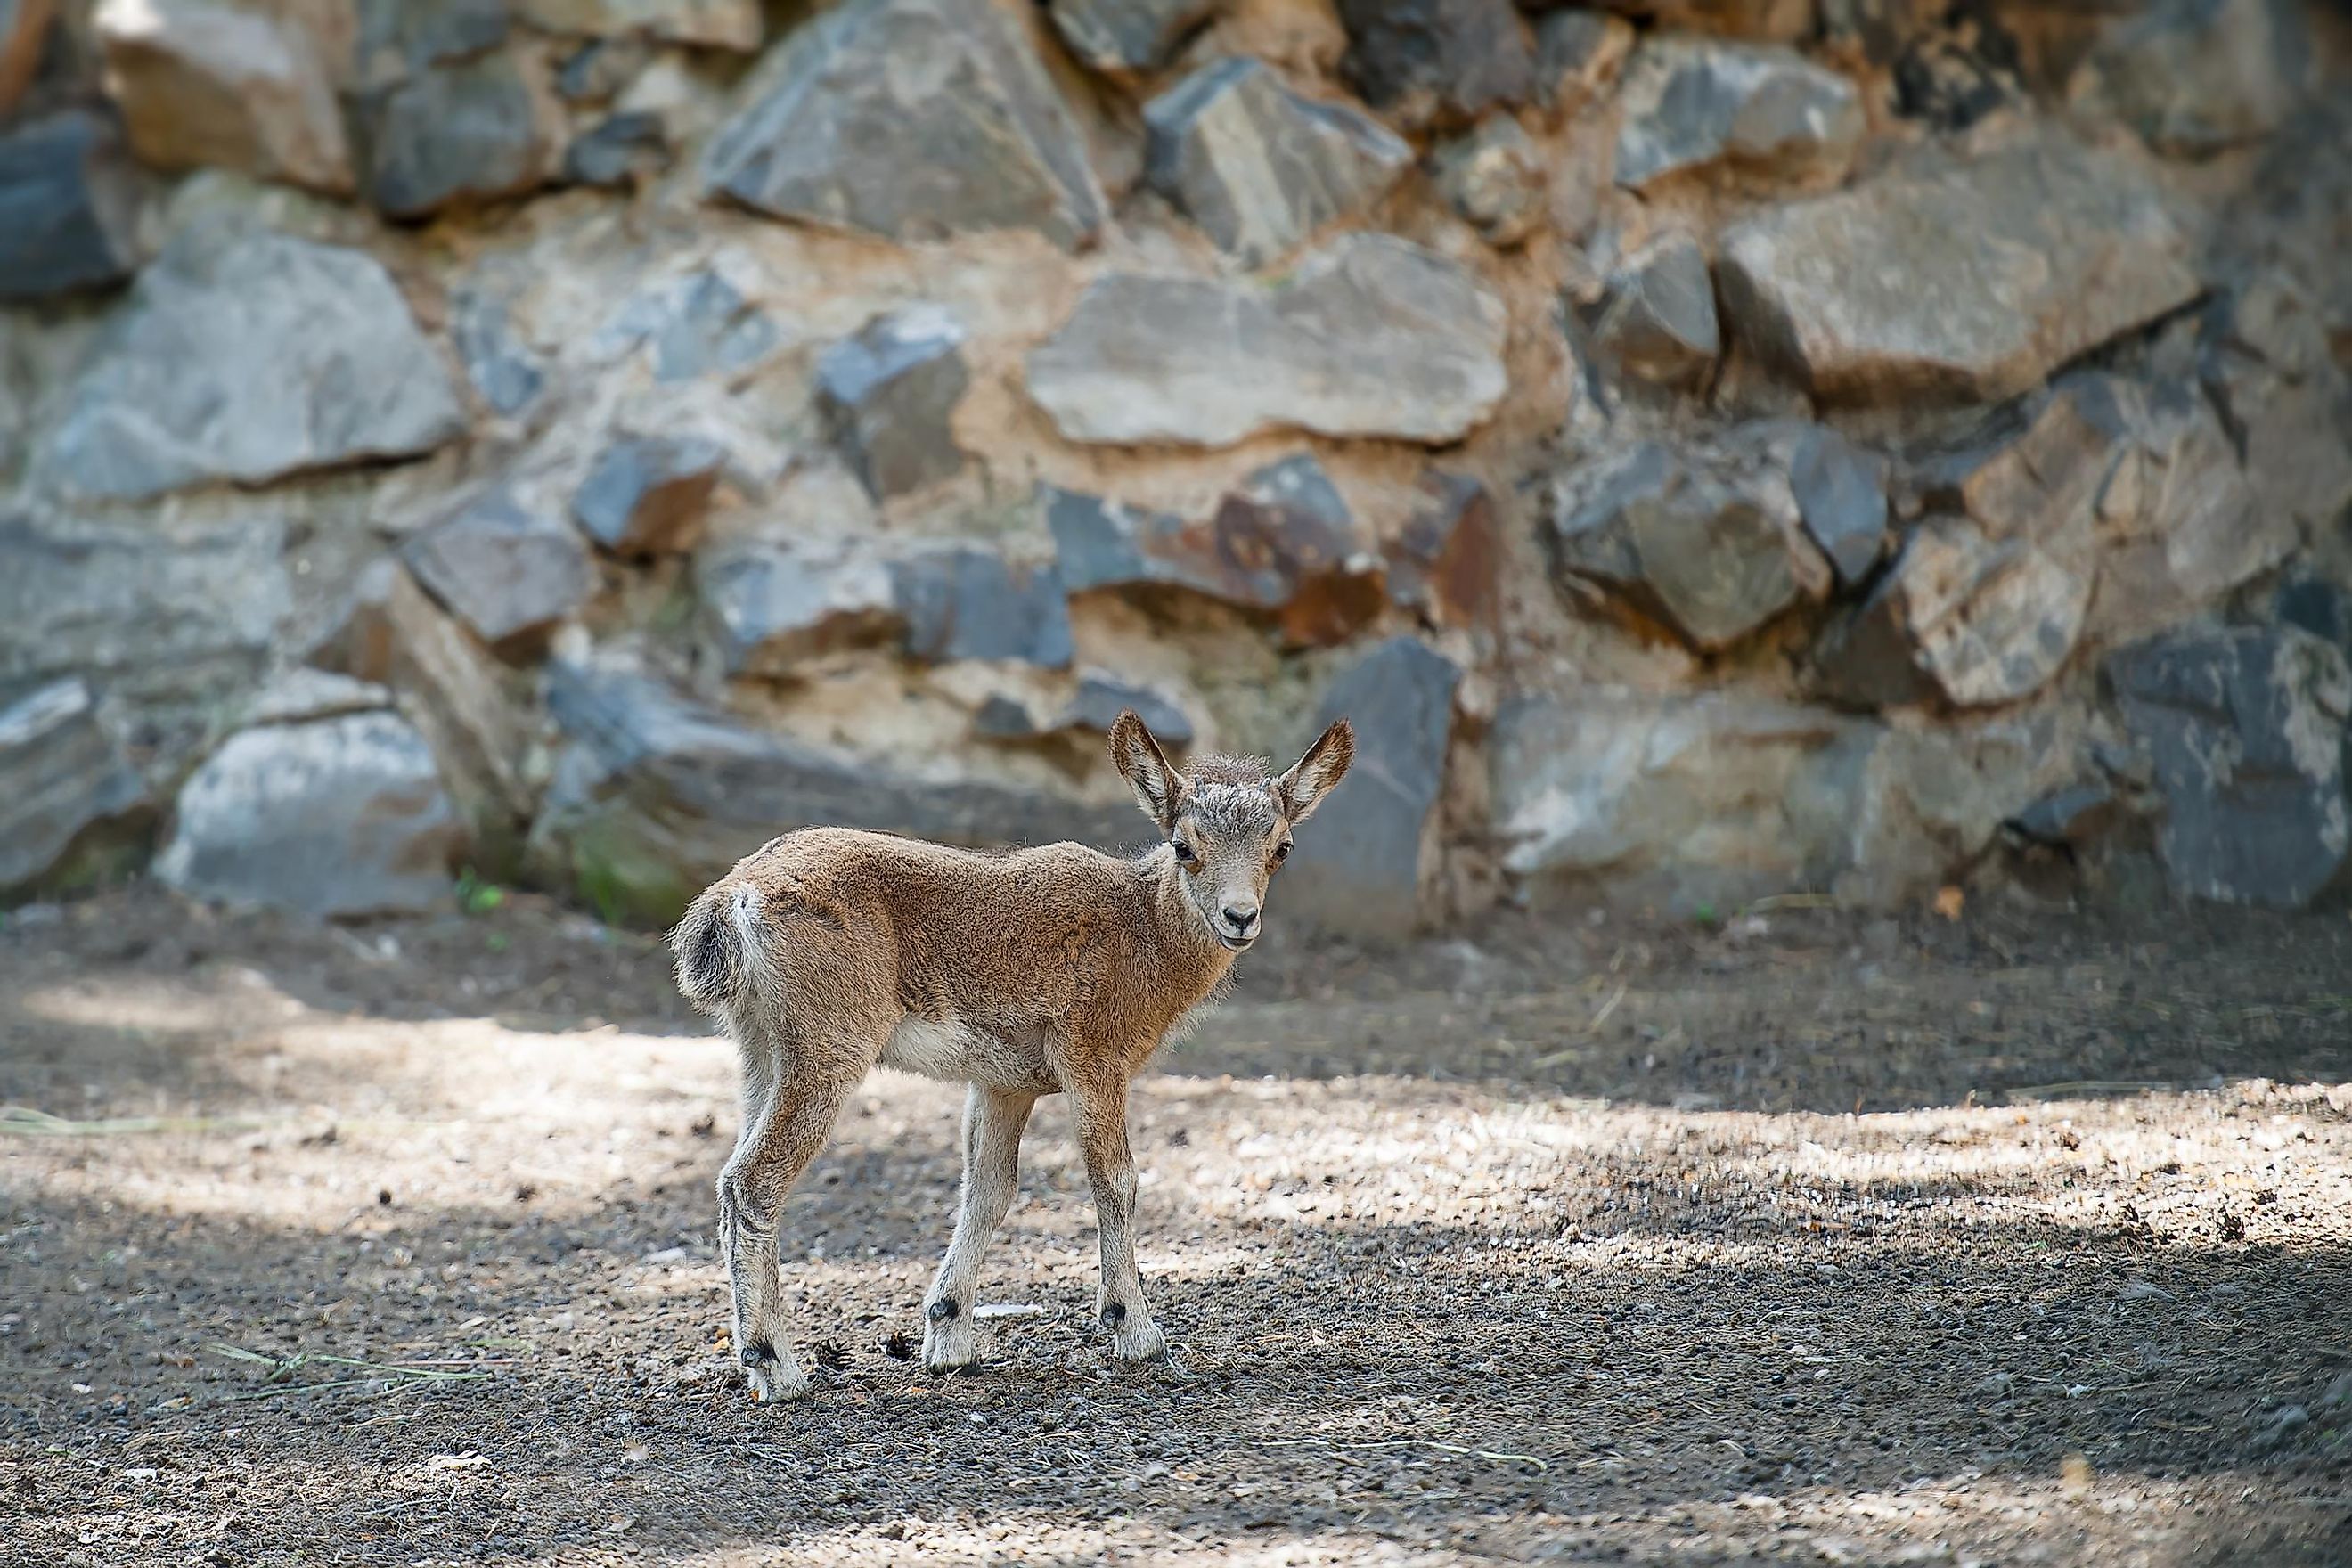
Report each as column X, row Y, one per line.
column 1241, row 919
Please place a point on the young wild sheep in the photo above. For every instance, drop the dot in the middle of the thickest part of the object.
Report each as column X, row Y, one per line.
column 1055, row 969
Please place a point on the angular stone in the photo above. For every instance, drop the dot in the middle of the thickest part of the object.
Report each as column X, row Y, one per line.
column 734, row 25
column 2196, row 77
column 67, row 796
column 471, row 709
column 1579, row 58
column 1659, row 322
column 206, row 86
column 1101, row 698
column 698, row 325
column 963, row 602
column 23, row 32
column 2246, row 729
column 2304, row 599
column 1705, row 542
column 1128, row 38
column 1260, row 167
column 508, row 573
column 648, row 495
column 1992, row 590
column 1840, row 493
column 146, row 611
column 2075, row 815
column 505, row 372
column 1495, row 178
column 2267, row 364
column 1283, row 543
column 473, row 131
column 601, row 70
column 1756, row 113
column 1432, row 61
column 68, row 206
column 619, row 150
column 1357, row 868
column 914, row 120
column 1972, row 282
column 1369, row 336
column 1444, row 566
column 298, row 696
column 890, row 392
column 1692, row 804
column 770, row 608
column 656, row 798
column 342, row 817
column 248, row 359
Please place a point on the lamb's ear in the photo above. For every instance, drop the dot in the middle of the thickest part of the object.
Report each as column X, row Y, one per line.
column 1302, row 789
column 1158, row 787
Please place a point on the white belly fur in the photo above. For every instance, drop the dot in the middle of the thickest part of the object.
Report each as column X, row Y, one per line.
column 931, row 1049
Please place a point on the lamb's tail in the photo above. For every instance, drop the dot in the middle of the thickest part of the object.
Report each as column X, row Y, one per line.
column 723, row 960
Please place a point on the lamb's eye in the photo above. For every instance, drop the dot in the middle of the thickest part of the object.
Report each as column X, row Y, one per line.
column 1282, row 851
column 1184, row 855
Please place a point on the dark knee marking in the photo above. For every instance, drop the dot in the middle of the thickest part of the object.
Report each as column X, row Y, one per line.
column 758, row 1352
column 942, row 1311
column 1114, row 1315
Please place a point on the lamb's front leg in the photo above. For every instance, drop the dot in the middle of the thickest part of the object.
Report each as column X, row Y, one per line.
column 993, row 1121
column 1100, row 1114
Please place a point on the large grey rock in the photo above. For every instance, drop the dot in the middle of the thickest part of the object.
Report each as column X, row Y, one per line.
column 1971, row 282
column 913, row 119
column 1259, row 167
column 1497, row 178
column 1445, row 564
column 2246, row 729
column 734, row 25
column 473, row 711
column 1432, row 61
column 1369, row 335
column 1357, row 868
column 342, row 817
column 1756, row 113
column 965, row 601
column 654, row 797
column 1659, row 323
column 770, row 608
column 144, row 611
column 1283, row 543
column 1704, row 541
column 1690, row 804
column 649, row 495
column 507, row 571
column 890, row 392
column 202, row 85
column 66, row 791
column 248, row 359
column 2196, row 77
column 1840, row 493
column 1101, row 698
column 471, row 130
column 1128, row 38
column 68, row 207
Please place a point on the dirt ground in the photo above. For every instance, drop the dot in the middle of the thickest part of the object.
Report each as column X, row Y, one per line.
column 1809, row 1239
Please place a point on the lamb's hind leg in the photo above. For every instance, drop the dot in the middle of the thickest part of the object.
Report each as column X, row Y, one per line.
column 993, row 1121
column 781, row 1135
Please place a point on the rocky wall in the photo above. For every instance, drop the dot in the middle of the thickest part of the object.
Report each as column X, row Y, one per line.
column 1713, row 451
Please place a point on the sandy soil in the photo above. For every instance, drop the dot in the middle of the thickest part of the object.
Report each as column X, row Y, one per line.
column 1808, row 1240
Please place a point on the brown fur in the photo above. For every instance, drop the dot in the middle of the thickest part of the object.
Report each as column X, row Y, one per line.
column 1055, row 969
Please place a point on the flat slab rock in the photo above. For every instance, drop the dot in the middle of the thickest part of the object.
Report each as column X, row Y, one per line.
column 1696, row 106
column 1371, row 335
column 1969, row 283
column 249, row 359
column 914, row 120
column 340, row 817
